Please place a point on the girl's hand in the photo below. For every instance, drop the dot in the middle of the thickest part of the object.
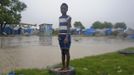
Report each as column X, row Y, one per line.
column 65, row 40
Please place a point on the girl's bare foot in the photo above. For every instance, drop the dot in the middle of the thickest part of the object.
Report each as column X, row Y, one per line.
column 66, row 68
column 61, row 68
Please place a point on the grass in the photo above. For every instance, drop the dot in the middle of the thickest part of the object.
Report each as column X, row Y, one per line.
column 32, row 72
column 106, row 64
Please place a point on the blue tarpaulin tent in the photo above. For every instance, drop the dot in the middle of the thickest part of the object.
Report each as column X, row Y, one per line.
column 8, row 30
column 131, row 36
column 89, row 31
column 108, row 31
column 17, row 31
column 29, row 31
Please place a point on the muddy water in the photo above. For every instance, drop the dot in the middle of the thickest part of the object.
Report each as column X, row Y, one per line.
column 40, row 52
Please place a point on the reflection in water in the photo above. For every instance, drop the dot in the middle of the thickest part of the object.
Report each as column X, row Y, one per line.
column 20, row 41
column 10, row 42
column 45, row 40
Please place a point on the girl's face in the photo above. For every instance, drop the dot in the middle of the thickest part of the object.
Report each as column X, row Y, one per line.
column 64, row 9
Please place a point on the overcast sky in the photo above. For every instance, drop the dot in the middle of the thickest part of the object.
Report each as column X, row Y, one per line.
column 86, row 11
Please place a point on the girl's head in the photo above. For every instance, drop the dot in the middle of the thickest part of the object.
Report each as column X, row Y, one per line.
column 64, row 8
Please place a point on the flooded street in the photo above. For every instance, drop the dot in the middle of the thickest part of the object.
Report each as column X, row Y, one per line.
column 40, row 52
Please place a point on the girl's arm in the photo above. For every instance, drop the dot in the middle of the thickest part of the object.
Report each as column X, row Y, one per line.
column 68, row 27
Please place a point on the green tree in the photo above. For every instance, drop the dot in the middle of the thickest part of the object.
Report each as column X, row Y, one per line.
column 78, row 24
column 100, row 25
column 120, row 25
column 10, row 12
column 97, row 25
column 108, row 25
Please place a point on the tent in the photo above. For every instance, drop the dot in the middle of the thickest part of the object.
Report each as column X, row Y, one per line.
column 89, row 31
column 108, row 31
column 8, row 30
column 130, row 33
column 131, row 36
column 28, row 31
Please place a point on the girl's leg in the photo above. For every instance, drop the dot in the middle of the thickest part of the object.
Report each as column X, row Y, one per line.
column 63, row 59
column 68, row 59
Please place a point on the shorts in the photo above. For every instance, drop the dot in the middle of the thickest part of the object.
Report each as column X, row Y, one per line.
column 61, row 41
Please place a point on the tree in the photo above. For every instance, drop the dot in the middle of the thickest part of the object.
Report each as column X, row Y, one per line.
column 78, row 24
column 108, row 25
column 120, row 25
column 100, row 25
column 10, row 12
column 97, row 25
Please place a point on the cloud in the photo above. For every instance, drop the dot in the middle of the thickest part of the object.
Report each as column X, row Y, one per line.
column 86, row 11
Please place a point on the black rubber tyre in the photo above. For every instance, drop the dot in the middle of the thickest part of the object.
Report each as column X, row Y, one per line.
column 57, row 71
column 126, row 52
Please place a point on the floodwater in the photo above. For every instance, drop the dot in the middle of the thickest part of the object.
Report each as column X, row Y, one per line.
column 39, row 52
